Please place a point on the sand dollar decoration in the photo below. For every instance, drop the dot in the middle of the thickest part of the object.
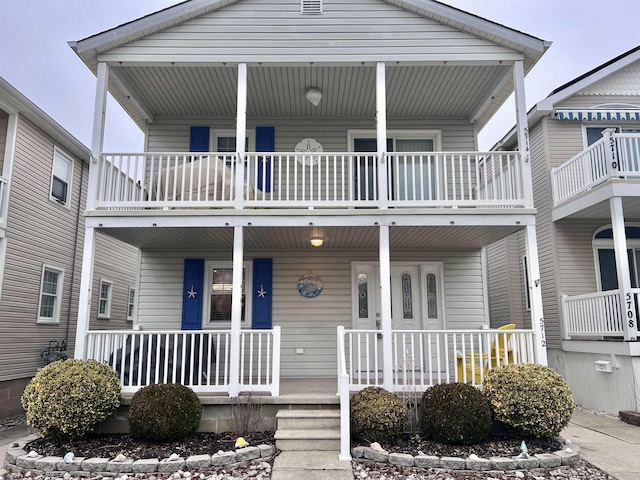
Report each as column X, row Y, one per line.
column 310, row 285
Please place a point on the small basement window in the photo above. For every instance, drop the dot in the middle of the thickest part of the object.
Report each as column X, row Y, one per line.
column 311, row 7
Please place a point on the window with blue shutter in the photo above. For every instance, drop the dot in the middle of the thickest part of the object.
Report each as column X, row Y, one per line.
column 265, row 142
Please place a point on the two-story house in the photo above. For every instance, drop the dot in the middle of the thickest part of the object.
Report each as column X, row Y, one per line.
column 43, row 191
column 585, row 155
column 311, row 201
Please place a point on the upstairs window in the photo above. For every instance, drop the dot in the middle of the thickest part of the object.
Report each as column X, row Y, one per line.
column 61, row 178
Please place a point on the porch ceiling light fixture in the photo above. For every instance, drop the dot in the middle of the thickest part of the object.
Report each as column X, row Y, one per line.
column 314, row 95
column 317, row 241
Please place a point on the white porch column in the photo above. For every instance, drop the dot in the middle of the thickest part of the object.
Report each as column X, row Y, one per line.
column 86, row 279
column 523, row 132
column 241, row 134
column 381, row 133
column 535, row 294
column 385, row 307
column 236, row 312
column 622, row 267
column 97, row 136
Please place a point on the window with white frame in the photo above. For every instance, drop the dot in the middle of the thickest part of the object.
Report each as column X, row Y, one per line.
column 130, row 303
column 218, row 300
column 225, row 142
column 61, row 177
column 50, row 295
column 104, row 302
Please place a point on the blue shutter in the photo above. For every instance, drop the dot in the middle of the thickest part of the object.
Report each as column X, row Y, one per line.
column 192, row 293
column 199, row 140
column 262, row 293
column 265, row 142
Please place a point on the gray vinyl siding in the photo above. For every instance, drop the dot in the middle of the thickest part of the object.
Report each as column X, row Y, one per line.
column 576, row 269
column 310, row 323
column 172, row 134
column 117, row 263
column 39, row 232
column 266, row 31
column 507, row 296
column 42, row 232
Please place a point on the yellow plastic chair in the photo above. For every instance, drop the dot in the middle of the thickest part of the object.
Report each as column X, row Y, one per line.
column 477, row 365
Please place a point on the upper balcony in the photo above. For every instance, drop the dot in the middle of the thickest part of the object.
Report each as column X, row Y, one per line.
column 609, row 167
column 184, row 181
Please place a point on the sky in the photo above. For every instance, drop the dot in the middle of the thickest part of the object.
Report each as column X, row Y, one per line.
column 36, row 59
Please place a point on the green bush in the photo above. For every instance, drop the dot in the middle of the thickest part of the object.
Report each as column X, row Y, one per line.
column 164, row 412
column 378, row 415
column 455, row 413
column 532, row 398
column 66, row 399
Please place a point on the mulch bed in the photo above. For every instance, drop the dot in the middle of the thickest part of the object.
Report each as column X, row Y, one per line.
column 498, row 445
column 110, row 446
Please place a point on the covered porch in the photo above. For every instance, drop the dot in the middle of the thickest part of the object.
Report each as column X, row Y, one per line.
column 412, row 331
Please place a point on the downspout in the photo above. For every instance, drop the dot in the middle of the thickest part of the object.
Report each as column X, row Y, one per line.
column 75, row 254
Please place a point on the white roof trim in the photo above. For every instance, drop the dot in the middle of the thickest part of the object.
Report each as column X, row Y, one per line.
column 549, row 102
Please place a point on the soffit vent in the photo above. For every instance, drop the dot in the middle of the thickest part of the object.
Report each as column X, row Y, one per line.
column 311, row 7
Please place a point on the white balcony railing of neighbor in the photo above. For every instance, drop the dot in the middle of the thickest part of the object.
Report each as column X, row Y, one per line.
column 198, row 359
column 301, row 180
column 596, row 314
column 616, row 155
column 422, row 359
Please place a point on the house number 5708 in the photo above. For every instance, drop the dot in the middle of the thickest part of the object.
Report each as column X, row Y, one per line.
column 629, row 302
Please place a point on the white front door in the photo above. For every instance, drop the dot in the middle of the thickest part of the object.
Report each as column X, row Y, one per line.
column 416, row 304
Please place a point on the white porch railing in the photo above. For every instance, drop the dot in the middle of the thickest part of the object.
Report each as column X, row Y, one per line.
column 422, row 359
column 309, row 180
column 198, row 359
column 614, row 155
column 596, row 314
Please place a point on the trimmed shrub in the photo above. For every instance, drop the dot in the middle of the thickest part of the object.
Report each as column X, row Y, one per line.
column 378, row 415
column 532, row 398
column 455, row 413
column 164, row 412
column 67, row 399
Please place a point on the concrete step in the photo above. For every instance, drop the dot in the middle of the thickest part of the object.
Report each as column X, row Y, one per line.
column 310, row 465
column 308, row 419
column 297, row 440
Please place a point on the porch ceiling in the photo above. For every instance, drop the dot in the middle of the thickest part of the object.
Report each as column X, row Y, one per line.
column 594, row 205
column 290, row 238
column 348, row 91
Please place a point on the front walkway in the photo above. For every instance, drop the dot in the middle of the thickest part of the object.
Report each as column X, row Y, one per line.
column 610, row 444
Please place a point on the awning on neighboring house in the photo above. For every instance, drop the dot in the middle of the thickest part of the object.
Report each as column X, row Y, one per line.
column 595, row 115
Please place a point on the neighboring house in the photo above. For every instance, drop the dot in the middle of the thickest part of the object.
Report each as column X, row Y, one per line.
column 307, row 166
column 43, row 192
column 585, row 154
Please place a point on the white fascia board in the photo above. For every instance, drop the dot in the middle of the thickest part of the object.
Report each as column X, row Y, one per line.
column 14, row 102
column 549, row 103
column 490, row 29
column 93, row 219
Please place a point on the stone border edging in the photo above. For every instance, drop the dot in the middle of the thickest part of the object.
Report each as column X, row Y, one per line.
column 370, row 456
column 17, row 459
